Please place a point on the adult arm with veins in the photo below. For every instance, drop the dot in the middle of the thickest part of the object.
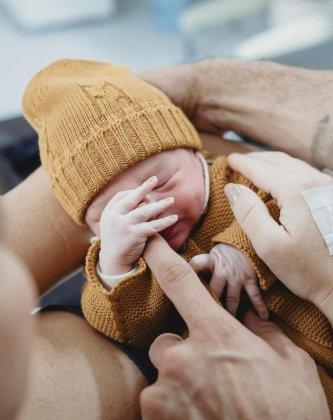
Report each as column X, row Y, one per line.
column 294, row 249
column 286, row 108
column 41, row 233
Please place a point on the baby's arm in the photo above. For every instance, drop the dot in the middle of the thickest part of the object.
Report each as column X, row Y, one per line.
column 230, row 268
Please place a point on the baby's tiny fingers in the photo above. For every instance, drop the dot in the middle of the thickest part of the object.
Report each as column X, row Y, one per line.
column 252, row 289
column 149, row 228
column 134, row 197
column 233, row 296
column 144, row 213
column 117, row 197
column 202, row 262
column 218, row 282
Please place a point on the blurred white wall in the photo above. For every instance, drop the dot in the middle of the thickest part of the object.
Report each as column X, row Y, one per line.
column 130, row 37
column 134, row 32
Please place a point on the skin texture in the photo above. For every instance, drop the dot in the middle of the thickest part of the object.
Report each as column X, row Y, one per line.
column 224, row 370
column 286, row 108
column 37, row 224
column 17, row 294
column 77, row 374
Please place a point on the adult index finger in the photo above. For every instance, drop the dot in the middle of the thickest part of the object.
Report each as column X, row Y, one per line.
column 179, row 282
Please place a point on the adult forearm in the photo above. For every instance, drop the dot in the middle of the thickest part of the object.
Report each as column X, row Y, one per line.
column 39, row 231
column 287, row 108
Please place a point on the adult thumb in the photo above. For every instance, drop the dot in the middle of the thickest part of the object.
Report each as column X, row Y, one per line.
column 253, row 216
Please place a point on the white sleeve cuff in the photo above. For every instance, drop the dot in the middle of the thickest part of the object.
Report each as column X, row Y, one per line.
column 110, row 281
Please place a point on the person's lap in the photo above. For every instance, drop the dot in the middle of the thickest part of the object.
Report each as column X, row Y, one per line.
column 77, row 373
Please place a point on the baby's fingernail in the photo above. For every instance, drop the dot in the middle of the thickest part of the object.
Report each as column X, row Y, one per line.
column 232, row 192
column 169, row 199
column 151, row 179
column 174, row 217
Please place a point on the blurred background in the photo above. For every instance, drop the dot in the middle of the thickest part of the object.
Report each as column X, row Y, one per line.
column 142, row 34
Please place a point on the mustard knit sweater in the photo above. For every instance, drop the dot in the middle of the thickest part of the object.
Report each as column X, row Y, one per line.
column 136, row 310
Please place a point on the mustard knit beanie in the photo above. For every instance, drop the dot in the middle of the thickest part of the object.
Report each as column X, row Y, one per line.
column 94, row 120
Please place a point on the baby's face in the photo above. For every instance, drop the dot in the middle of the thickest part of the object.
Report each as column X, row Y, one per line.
column 180, row 175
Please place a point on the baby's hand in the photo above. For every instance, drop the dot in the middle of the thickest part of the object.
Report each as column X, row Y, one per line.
column 228, row 265
column 125, row 226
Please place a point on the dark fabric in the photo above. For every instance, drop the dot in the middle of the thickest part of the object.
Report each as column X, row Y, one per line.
column 139, row 357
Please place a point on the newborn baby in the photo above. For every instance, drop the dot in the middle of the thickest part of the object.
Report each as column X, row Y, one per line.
column 124, row 160
column 171, row 201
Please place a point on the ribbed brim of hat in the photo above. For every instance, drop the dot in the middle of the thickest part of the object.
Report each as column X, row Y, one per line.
column 97, row 160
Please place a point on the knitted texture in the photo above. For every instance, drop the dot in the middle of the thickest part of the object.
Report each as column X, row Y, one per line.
column 136, row 311
column 94, row 120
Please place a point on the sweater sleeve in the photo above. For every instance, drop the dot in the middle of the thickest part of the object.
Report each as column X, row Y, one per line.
column 235, row 236
column 135, row 311
column 110, row 281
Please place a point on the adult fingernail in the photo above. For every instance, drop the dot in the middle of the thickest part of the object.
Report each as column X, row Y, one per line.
column 232, row 192
column 264, row 315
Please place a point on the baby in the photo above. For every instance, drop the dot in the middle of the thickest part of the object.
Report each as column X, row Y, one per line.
column 127, row 211
column 124, row 160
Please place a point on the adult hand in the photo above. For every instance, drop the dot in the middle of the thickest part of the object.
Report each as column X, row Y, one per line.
column 224, row 370
column 294, row 250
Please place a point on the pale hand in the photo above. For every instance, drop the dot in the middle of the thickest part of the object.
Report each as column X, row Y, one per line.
column 126, row 224
column 230, row 268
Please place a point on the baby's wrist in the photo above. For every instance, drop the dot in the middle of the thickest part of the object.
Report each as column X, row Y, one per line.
column 112, row 268
column 115, row 269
